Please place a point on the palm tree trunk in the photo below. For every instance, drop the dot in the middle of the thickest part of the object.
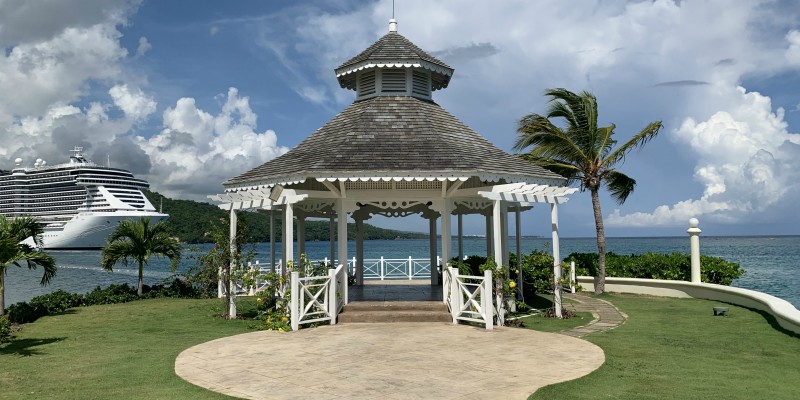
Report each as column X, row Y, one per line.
column 600, row 277
column 141, row 267
column 2, row 291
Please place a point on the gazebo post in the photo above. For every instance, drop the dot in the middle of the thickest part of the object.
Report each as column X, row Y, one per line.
column 232, row 243
column 556, row 261
column 497, row 236
column 301, row 233
column 288, row 236
column 359, row 250
column 332, row 239
column 517, row 234
column 447, row 237
column 433, row 246
column 489, row 235
column 272, row 239
column 504, row 236
column 460, row 237
column 341, row 237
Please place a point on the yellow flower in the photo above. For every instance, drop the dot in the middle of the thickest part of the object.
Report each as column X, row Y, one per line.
column 284, row 319
column 280, row 329
column 516, row 271
column 512, row 284
column 258, row 299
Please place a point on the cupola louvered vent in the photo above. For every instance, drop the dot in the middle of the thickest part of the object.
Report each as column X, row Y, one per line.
column 393, row 81
column 421, row 86
column 366, row 83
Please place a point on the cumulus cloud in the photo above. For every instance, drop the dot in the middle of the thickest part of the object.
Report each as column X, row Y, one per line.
column 196, row 144
column 134, row 103
column 749, row 166
column 144, row 46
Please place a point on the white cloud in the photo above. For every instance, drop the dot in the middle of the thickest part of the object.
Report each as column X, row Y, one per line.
column 749, row 165
column 144, row 46
column 135, row 104
column 213, row 30
column 196, row 151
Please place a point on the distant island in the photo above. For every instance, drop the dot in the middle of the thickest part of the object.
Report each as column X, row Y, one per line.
column 189, row 221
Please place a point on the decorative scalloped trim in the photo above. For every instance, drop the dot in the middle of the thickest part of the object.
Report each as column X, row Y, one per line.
column 395, row 64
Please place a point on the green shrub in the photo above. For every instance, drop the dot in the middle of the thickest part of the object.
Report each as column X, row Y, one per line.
column 111, row 295
column 673, row 266
column 20, row 313
column 537, row 272
column 178, row 288
column 56, row 302
column 5, row 329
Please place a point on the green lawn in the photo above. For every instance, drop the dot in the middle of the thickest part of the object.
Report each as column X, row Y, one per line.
column 668, row 349
column 676, row 349
column 112, row 351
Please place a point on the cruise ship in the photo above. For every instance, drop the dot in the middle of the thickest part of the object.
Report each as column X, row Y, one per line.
column 78, row 203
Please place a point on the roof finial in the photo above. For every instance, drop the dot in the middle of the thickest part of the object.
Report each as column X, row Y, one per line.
column 392, row 25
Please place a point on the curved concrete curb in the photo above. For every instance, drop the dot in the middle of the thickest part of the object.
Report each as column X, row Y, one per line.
column 784, row 312
column 388, row 361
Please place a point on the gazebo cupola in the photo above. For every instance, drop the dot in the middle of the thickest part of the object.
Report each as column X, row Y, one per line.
column 393, row 66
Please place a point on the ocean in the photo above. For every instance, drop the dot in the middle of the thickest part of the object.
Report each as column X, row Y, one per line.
column 770, row 261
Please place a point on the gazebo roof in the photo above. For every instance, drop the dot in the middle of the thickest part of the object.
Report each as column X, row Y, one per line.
column 394, row 136
column 393, row 50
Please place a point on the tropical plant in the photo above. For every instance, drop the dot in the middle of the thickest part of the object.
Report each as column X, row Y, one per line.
column 13, row 252
column 137, row 240
column 582, row 152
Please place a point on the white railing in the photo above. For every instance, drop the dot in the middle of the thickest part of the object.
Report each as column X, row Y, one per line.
column 374, row 268
column 317, row 298
column 469, row 298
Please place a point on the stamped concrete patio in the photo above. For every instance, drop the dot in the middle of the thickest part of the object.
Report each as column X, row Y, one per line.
column 388, row 361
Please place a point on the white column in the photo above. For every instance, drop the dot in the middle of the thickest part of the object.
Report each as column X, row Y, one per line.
column 231, row 291
column 272, row 239
column 489, row 236
column 460, row 237
column 359, row 251
column 301, row 233
column 497, row 232
column 446, row 237
column 288, row 239
column 332, row 238
column 341, row 237
column 517, row 234
column 556, row 260
column 694, row 248
column 433, row 249
column 504, row 236
column 284, row 271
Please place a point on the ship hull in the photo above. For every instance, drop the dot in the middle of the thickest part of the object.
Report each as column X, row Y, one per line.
column 89, row 230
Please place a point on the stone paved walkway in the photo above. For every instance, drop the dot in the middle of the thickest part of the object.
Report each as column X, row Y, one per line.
column 388, row 361
column 606, row 315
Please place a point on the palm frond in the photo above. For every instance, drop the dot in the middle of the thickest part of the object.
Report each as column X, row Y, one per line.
column 569, row 171
column 619, row 185
column 638, row 140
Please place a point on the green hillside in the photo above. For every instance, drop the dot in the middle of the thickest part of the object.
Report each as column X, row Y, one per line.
column 189, row 220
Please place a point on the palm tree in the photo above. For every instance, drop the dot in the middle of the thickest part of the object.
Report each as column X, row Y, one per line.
column 12, row 252
column 582, row 152
column 137, row 240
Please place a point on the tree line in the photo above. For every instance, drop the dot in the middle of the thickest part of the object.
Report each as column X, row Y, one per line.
column 190, row 220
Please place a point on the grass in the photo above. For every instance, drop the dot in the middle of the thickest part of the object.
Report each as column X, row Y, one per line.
column 668, row 349
column 544, row 324
column 112, row 351
column 676, row 349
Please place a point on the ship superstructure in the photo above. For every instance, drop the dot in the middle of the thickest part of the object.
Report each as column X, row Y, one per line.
column 79, row 203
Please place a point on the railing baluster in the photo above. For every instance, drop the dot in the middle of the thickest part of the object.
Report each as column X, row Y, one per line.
column 383, row 268
column 295, row 305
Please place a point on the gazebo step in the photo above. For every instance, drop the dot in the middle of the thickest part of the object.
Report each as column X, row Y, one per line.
column 395, row 311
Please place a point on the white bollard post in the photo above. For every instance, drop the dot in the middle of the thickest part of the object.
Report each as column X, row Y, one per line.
column 486, row 301
column 694, row 248
column 455, row 295
column 410, row 268
column 332, row 300
column 382, row 268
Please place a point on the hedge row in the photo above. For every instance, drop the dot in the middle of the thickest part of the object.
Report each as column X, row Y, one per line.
column 59, row 301
column 675, row 266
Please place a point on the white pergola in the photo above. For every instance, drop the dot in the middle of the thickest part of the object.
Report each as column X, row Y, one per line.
column 432, row 197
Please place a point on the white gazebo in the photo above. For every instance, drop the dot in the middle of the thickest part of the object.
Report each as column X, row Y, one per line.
column 395, row 152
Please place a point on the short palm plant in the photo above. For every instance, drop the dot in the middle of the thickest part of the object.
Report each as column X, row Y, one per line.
column 137, row 240
column 13, row 252
column 582, row 152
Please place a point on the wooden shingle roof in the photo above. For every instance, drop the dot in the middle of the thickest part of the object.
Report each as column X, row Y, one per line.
column 394, row 136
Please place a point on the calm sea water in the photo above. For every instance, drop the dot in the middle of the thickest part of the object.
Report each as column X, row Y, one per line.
column 770, row 262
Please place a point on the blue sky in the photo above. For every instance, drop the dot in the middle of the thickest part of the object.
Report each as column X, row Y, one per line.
column 189, row 94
